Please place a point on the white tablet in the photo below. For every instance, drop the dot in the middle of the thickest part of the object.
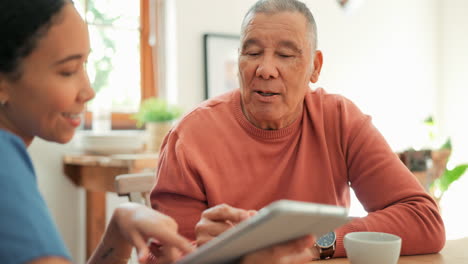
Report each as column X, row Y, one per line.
column 278, row 222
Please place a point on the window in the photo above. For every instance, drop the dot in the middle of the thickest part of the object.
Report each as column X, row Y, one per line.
column 121, row 63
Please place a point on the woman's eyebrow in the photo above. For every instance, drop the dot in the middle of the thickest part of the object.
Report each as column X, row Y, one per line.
column 69, row 58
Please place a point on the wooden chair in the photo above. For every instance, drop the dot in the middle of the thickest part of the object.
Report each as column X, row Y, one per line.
column 136, row 186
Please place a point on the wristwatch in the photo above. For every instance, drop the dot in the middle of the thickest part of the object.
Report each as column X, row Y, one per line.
column 326, row 245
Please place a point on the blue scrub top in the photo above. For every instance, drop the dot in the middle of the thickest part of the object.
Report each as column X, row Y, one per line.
column 27, row 231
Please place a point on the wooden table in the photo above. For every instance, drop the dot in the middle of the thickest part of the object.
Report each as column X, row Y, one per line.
column 97, row 175
column 454, row 252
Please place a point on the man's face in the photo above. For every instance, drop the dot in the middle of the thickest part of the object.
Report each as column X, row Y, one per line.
column 276, row 63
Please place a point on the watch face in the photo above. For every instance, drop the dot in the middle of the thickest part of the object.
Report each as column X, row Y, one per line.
column 327, row 240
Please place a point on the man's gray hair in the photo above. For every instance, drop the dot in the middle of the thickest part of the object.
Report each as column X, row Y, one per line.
column 277, row 6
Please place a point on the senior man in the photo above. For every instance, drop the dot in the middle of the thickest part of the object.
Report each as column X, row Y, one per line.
column 275, row 138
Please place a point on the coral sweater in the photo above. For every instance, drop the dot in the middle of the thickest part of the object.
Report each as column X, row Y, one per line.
column 215, row 155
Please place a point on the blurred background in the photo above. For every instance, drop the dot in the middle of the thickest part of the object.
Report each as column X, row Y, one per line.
column 400, row 61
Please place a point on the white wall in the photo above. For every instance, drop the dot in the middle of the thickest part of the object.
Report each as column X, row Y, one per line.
column 65, row 201
column 453, row 106
column 398, row 60
column 453, row 89
column 382, row 57
column 192, row 20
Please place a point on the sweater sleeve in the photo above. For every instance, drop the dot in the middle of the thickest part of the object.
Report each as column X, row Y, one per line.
column 179, row 191
column 395, row 200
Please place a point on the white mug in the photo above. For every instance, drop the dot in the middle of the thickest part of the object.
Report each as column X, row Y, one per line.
column 372, row 248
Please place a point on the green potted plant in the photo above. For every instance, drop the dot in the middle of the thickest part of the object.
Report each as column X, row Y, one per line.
column 436, row 178
column 442, row 183
column 157, row 115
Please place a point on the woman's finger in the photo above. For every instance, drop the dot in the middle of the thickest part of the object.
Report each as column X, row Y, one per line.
column 171, row 238
column 141, row 247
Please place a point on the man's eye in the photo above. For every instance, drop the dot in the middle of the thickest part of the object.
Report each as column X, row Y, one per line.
column 286, row 55
column 251, row 53
column 66, row 73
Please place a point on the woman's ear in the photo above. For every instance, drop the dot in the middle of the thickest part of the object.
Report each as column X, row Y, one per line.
column 318, row 61
column 3, row 89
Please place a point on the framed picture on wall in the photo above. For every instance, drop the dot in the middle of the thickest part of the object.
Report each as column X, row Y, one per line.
column 220, row 63
column 349, row 5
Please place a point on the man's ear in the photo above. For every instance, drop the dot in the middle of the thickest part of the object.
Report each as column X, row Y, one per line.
column 318, row 61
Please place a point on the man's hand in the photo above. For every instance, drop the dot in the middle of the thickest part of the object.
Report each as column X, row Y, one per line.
column 293, row 252
column 218, row 219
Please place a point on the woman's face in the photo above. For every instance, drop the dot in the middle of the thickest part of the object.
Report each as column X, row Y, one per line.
column 49, row 98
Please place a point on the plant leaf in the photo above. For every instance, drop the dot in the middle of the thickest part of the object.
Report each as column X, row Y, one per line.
column 156, row 110
column 447, row 144
column 449, row 176
column 429, row 121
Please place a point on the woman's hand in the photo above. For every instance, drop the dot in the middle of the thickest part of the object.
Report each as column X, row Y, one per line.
column 293, row 252
column 138, row 225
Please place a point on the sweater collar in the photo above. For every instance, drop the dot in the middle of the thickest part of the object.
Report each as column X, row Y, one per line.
column 258, row 132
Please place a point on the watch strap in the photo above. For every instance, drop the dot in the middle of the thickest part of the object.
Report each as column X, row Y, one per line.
column 326, row 253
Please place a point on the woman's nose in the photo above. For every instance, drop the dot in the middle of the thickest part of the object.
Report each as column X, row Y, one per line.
column 86, row 91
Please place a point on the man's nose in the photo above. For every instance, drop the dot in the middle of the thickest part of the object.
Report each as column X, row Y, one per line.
column 267, row 68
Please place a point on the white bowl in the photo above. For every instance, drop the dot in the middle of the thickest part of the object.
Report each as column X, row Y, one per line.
column 372, row 248
column 114, row 142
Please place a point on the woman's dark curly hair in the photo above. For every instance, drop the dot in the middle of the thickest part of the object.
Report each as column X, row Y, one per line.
column 22, row 24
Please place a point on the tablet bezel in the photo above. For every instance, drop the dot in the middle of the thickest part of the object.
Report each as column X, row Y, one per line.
column 262, row 230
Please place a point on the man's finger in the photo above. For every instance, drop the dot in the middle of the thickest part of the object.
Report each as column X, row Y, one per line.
column 295, row 246
column 212, row 228
column 224, row 212
column 299, row 258
column 252, row 212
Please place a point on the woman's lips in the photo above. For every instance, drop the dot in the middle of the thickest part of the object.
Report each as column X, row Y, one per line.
column 73, row 119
